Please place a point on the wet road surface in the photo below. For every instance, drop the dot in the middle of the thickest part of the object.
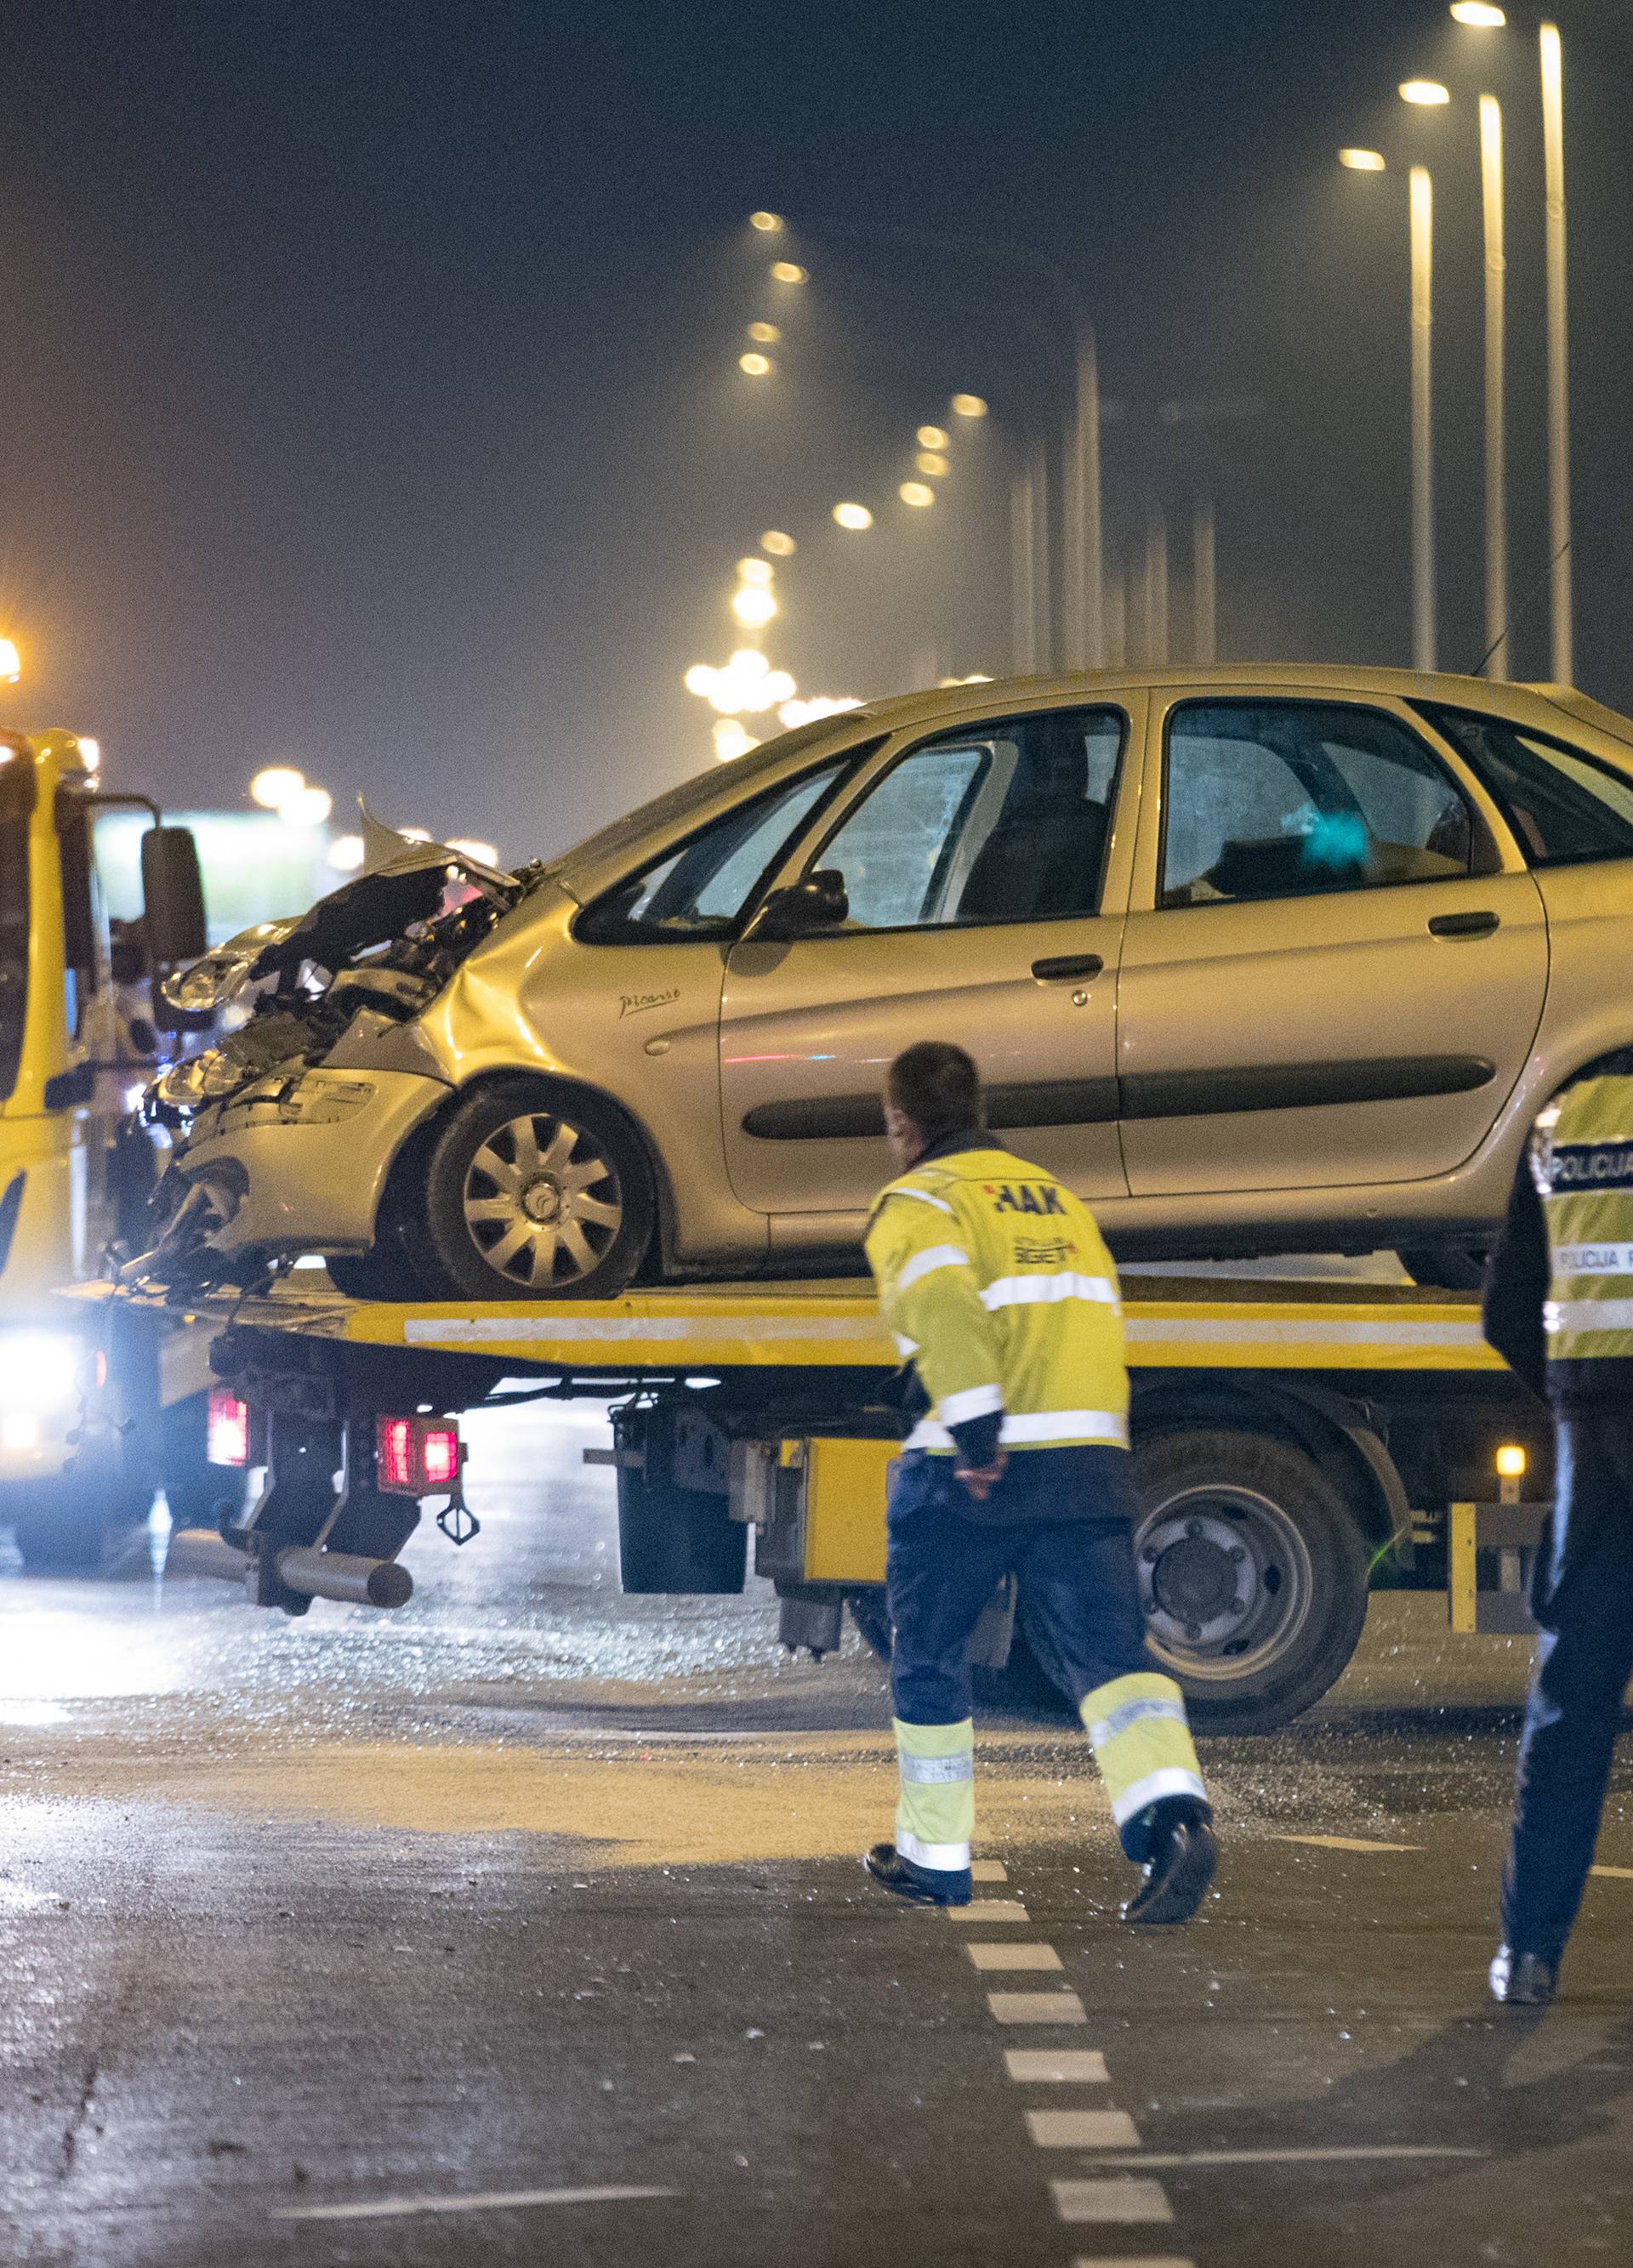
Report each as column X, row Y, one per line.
column 527, row 1925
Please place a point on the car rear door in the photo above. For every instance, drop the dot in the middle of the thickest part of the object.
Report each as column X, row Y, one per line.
column 1336, row 960
column 986, row 867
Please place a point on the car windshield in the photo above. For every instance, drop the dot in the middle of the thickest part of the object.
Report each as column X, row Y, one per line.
column 1565, row 806
column 693, row 797
column 14, row 784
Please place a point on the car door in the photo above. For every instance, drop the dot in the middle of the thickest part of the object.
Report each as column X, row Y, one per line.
column 1337, row 961
column 986, row 868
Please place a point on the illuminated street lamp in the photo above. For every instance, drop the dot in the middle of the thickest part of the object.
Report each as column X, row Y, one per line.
column 308, row 806
column 779, row 545
column 916, row 493
column 753, row 606
column 1362, row 161
column 89, row 751
column 272, row 787
column 1425, row 94
column 764, row 334
column 755, row 365
column 967, row 405
column 1479, row 13
column 932, row 437
column 853, row 516
column 10, row 667
column 788, row 271
column 768, row 223
column 931, row 462
column 755, row 570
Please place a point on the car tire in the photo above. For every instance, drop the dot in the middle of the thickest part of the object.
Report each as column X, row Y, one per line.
column 373, row 1275
column 1446, row 1267
column 1252, row 1575
column 532, row 1191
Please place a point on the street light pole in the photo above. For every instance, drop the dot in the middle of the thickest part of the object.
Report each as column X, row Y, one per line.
column 1496, row 495
column 1563, row 668
column 1204, row 578
column 1422, row 228
column 1022, row 572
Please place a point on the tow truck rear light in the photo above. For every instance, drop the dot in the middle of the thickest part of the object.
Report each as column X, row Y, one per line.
column 227, row 1439
column 415, row 1457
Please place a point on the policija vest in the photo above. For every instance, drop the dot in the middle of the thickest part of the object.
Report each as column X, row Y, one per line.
column 1582, row 1162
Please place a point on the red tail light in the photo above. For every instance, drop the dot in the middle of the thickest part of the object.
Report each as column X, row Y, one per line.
column 415, row 1457
column 226, row 1441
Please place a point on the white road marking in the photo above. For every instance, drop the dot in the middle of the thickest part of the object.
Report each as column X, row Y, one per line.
column 484, row 2201
column 1168, row 2159
column 988, row 1870
column 1082, row 2130
column 1345, row 1843
column 988, row 1909
column 1136, row 2260
column 1050, row 2066
column 1124, row 2199
column 1014, row 1956
column 1037, row 2008
column 1617, row 1873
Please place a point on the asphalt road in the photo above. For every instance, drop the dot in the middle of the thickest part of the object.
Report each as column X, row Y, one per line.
column 527, row 1925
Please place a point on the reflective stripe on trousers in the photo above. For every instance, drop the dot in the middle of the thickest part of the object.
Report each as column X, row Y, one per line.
column 1141, row 1742
column 935, row 1815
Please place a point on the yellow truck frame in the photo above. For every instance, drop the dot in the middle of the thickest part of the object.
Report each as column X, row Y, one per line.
column 1293, row 1444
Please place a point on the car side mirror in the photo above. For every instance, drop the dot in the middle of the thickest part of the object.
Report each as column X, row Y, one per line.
column 172, row 896
column 816, row 903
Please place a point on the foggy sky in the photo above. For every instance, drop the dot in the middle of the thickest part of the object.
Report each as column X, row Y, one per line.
column 368, row 371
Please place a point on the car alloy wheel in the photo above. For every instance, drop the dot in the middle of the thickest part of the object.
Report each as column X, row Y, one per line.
column 542, row 1204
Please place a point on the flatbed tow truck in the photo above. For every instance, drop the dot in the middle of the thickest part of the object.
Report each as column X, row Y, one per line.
column 1294, row 1443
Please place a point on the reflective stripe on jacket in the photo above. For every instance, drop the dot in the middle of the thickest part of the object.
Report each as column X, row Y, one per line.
column 1582, row 1161
column 1001, row 1293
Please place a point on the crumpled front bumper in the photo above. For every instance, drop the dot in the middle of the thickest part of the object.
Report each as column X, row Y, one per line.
column 300, row 1163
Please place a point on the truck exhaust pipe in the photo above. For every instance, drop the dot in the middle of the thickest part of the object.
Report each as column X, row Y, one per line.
column 196, row 1551
column 346, row 1576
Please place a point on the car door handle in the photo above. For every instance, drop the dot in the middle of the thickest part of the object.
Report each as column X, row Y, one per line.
column 1480, row 925
column 1069, row 964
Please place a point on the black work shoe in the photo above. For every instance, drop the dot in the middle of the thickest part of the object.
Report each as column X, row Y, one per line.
column 1179, row 1864
column 1522, row 1980
column 920, row 1886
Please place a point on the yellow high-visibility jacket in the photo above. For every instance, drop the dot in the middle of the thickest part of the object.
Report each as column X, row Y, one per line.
column 1582, row 1159
column 1000, row 1290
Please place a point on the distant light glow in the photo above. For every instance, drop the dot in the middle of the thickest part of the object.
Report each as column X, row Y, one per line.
column 1479, row 13
column 273, row 785
column 756, row 365
column 976, row 677
column 932, row 437
column 1426, row 94
column 752, row 606
column 820, row 704
column 767, row 222
column 780, row 546
column 854, row 516
column 415, row 834
column 931, row 460
column 756, row 571
column 19, row 1430
column 1362, row 161
column 308, row 806
column 90, row 752
column 764, row 334
column 699, row 679
column 787, row 271
column 917, row 493
column 471, row 846
column 747, row 682
column 345, row 854
column 10, row 667
column 732, row 738
column 1511, row 1461
column 968, row 405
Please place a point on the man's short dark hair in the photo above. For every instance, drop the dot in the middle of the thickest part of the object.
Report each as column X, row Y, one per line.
column 937, row 1086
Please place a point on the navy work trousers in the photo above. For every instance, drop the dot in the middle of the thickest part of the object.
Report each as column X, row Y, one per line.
column 1583, row 1598
column 942, row 1567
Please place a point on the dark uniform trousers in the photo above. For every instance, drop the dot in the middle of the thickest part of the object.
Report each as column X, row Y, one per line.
column 944, row 1563
column 1583, row 1598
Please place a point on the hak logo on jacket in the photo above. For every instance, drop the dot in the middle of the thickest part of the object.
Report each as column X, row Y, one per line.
column 1044, row 1199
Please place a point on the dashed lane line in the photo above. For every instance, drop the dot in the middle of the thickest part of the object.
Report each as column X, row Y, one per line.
column 1136, row 2260
column 1345, row 1843
column 1119, row 2200
column 988, row 1909
column 1149, row 2161
column 483, row 2201
column 1616, row 1873
column 987, row 1870
column 1037, row 2008
column 1056, row 2066
column 1082, row 2130
column 1014, row 1956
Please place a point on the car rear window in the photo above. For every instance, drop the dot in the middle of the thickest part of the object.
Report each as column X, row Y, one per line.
column 1565, row 806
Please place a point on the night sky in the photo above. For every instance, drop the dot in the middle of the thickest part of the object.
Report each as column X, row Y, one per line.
column 369, row 385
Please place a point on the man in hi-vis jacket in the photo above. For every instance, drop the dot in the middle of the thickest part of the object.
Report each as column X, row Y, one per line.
column 1004, row 1301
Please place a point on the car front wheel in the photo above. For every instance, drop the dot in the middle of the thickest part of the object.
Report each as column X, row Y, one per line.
column 533, row 1192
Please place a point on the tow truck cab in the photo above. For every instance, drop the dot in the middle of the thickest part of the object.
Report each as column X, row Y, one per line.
column 82, row 1439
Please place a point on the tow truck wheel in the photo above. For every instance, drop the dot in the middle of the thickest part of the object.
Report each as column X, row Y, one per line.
column 533, row 1192
column 1251, row 1572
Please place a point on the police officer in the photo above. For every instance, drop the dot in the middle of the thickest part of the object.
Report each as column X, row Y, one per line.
column 1004, row 1301
column 1559, row 1308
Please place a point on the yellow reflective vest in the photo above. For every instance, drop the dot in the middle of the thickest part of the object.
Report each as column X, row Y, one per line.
column 999, row 1289
column 1582, row 1161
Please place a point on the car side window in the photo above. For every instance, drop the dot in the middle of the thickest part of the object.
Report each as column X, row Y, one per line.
column 1003, row 822
column 1287, row 798
column 702, row 890
column 1565, row 806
